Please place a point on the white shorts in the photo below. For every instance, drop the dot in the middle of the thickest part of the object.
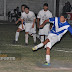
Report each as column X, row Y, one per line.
column 28, row 28
column 53, row 39
column 20, row 26
column 45, row 30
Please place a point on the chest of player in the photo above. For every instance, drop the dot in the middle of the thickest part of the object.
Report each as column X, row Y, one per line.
column 45, row 15
column 28, row 16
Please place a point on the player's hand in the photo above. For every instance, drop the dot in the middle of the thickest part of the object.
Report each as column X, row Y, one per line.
column 16, row 22
column 41, row 26
column 33, row 26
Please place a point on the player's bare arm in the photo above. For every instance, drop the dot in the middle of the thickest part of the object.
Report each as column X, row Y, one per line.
column 41, row 26
column 22, row 23
column 33, row 23
column 18, row 20
column 38, row 21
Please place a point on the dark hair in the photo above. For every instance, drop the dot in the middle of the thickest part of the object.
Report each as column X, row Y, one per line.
column 64, row 14
column 45, row 4
column 26, row 7
column 23, row 5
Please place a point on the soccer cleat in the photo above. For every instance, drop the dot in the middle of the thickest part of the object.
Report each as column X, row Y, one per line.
column 26, row 44
column 34, row 48
column 15, row 42
column 46, row 64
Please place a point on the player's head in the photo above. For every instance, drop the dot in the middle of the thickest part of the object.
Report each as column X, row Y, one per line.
column 26, row 9
column 22, row 7
column 45, row 6
column 63, row 17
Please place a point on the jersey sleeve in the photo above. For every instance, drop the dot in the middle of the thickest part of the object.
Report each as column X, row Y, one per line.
column 51, row 15
column 52, row 19
column 70, row 29
column 22, row 17
column 34, row 17
column 39, row 16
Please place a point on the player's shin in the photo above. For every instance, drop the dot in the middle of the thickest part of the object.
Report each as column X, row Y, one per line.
column 48, row 55
column 34, row 38
column 38, row 46
column 16, row 36
column 26, row 38
column 42, row 38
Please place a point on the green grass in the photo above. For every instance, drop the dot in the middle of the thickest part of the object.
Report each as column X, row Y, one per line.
column 26, row 59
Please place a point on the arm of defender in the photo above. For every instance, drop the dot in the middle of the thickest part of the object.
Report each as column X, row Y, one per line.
column 38, row 21
column 41, row 26
column 51, row 20
column 18, row 20
column 33, row 23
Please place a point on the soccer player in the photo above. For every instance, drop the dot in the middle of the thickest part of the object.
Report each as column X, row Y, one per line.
column 29, row 18
column 20, row 26
column 43, row 15
column 60, row 27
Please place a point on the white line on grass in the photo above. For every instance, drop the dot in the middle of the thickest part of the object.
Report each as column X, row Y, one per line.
column 64, row 51
column 16, row 45
column 30, row 46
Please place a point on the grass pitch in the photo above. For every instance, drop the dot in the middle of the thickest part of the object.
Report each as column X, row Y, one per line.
column 29, row 61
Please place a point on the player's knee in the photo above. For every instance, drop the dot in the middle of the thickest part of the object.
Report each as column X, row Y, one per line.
column 48, row 48
column 26, row 32
column 19, row 30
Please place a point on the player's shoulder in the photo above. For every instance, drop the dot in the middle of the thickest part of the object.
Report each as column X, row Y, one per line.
column 41, row 11
column 22, row 13
column 49, row 11
column 67, row 23
column 31, row 12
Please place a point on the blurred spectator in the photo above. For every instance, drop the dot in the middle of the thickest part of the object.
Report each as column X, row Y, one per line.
column 67, row 7
column 14, row 14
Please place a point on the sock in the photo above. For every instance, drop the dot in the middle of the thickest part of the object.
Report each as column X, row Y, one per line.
column 34, row 38
column 40, row 45
column 26, row 38
column 45, row 46
column 42, row 39
column 38, row 36
column 48, row 58
column 16, row 36
column 46, row 37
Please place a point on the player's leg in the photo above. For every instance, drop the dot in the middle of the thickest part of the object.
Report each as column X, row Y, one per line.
column 42, row 38
column 47, row 63
column 53, row 39
column 41, row 33
column 34, row 38
column 41, row 45
column 26, row 38
column 27, row 30
column 33, row 31
column 18, row 32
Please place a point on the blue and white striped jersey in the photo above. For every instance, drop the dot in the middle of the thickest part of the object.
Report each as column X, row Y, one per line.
column 58, row 27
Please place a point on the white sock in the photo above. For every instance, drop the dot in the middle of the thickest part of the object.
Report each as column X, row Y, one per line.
column 34, row 38
column 48, row 58
column 38, row 36
column 46, row 37
column 42, row 39
column 26, row 38
column 45, row 46
column 40, row 45
column 16, row 36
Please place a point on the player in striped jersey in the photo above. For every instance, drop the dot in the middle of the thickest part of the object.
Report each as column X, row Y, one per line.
column 60, row 27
